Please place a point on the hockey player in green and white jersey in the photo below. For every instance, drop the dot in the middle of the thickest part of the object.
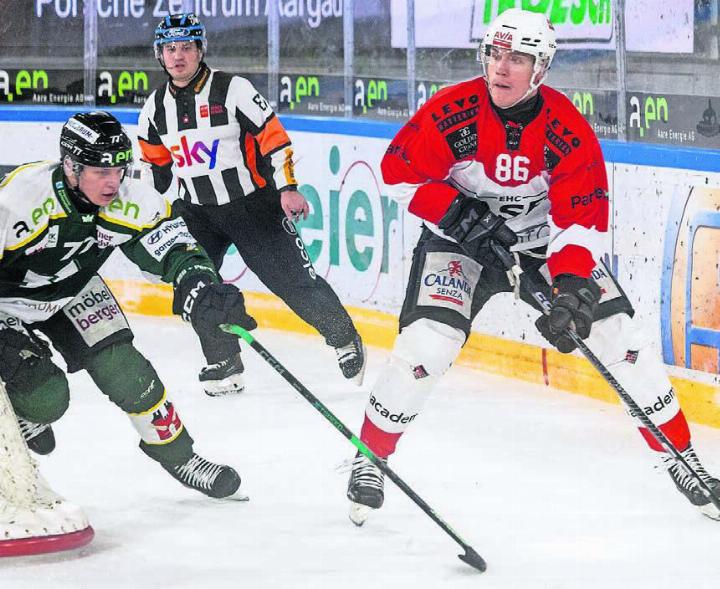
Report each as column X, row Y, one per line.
column 59, row 222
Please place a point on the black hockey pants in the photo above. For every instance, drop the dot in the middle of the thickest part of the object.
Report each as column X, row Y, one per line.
column 272, row 249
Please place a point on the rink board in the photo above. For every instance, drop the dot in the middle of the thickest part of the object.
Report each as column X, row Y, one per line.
column 664, row 249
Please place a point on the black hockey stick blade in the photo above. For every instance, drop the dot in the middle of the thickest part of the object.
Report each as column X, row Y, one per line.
column 473, row 559
column 470, row 557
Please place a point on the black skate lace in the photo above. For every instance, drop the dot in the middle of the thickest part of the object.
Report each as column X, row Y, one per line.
column 29, row 429
column 198, row 472
column 218, row 365
column 366, row 474
column 679, row 474
column 224, row 368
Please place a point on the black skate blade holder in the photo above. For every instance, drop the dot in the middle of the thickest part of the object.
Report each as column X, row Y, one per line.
column 536, row 292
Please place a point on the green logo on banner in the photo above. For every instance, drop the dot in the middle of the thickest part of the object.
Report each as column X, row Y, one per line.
column 584, row 102
column 25, row 80
column 644, row 113
column 126, row 82
column 423, row 94
column 559, row 12
column 368, row 96
column 304, row 86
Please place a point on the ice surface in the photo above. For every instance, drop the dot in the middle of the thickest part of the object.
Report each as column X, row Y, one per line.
column 553, row 490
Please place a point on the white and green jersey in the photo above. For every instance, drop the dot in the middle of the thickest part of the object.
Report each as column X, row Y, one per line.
column 49, row 250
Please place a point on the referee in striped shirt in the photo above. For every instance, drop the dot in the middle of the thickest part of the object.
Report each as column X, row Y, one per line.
column 232, row 160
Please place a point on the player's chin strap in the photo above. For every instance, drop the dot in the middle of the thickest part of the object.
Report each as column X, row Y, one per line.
column 537, row 293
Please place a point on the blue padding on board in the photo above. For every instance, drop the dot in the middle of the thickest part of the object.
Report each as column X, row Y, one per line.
column 60, row 114
column 662, row 156
column 641, row 154
column 354, row 127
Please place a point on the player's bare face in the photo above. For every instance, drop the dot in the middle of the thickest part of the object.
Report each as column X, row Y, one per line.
column 509, row 74
column 182, row 60
column 100, row 185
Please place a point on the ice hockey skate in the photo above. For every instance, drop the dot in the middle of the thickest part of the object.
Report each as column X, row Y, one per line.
column 224, row 378
column 365, row 488
column 351, row 359
column 689, row 487
column 214, row 480
column 39, row 437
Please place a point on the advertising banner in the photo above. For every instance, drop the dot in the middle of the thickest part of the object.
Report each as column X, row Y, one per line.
column 380, row 98
column 312, row 12
column 126, row 87
column 114, row 86
column 375, row 98
column 651, row 26
column 41, row 86
column 665, row 240
column 312, row 95
column 599, row 107
column 355, row 235
column 673, row 119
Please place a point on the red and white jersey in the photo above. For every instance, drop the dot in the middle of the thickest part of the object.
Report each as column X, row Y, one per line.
column 550, row 186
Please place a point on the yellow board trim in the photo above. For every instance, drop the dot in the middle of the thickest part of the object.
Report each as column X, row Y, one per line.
column 482, row 352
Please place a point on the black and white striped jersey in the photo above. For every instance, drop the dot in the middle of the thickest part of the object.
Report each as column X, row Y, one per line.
column 218, row 136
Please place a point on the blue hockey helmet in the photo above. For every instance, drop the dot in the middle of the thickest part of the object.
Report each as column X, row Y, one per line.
column 179, row 27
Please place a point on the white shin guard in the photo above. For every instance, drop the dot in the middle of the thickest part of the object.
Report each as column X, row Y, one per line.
column 636, row 366
column 158, row 425
column 423, row 352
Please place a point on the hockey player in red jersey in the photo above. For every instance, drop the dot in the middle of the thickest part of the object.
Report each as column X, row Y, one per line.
column 504, row 158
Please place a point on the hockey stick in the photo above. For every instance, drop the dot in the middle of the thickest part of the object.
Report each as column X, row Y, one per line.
column 470, row 557
column 536, row 292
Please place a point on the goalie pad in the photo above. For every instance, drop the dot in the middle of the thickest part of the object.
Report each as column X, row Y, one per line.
column 33, row 518
column 45, row 513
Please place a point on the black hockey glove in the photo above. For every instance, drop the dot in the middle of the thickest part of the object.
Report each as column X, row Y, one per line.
column 574, row 302
column 470, row 222
column 207, row 304
column 19, row 350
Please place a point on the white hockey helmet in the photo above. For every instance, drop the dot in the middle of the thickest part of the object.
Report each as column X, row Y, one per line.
column 524, row 31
